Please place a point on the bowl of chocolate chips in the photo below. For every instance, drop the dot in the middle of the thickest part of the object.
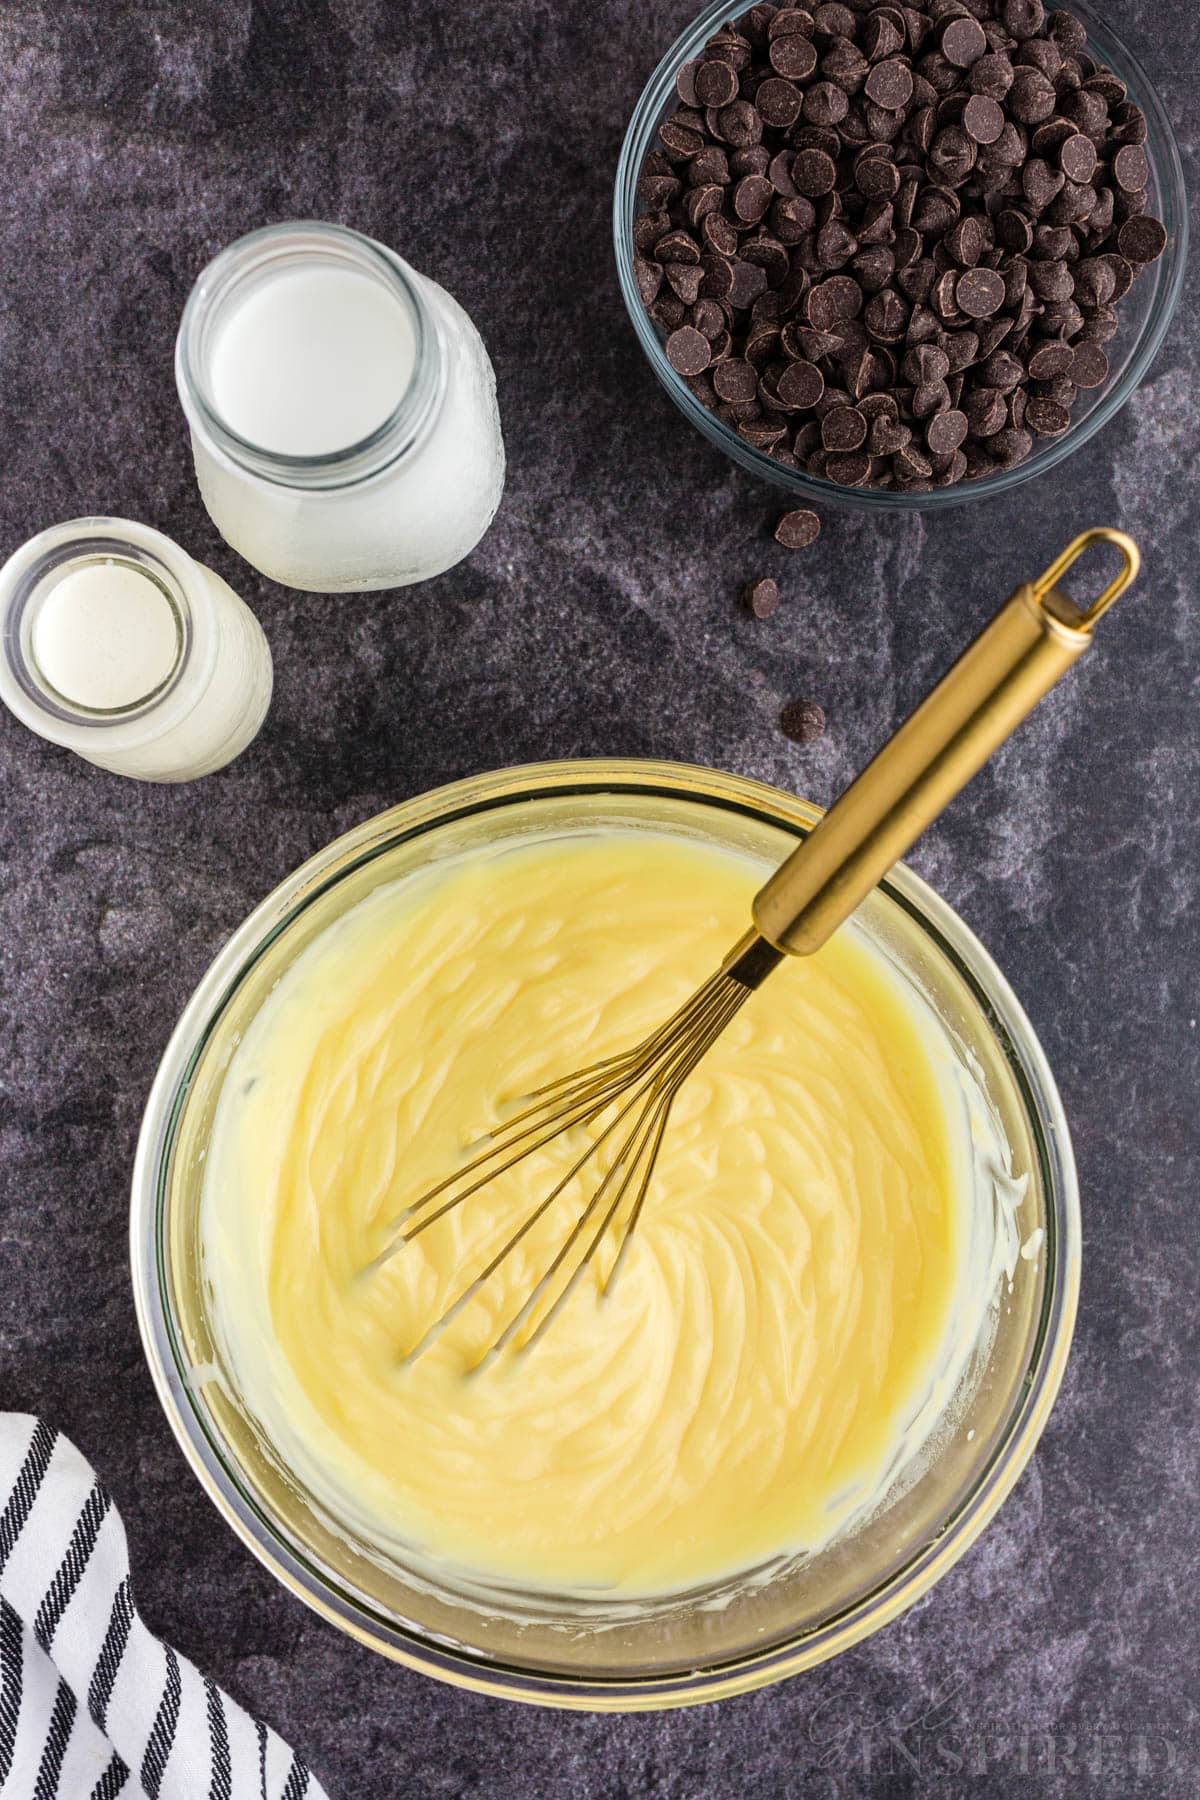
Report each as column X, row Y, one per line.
column 894, row 256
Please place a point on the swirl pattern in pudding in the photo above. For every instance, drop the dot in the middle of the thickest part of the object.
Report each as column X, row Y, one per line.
column 788, row 1313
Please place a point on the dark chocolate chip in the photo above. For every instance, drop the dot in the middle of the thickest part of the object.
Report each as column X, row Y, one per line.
column 735, row 381
column 963, row 42
column 991, row 76
column 1068, row 32
column 925, row 363
column 748, row 282
column 790, row 20
column 986, row 411
column 1054, row 243
column 761, row 434
column 685, row 81
column 716, row 84
column 740, row 124
column 814, row 173
column 890, row 84
column 1011, row 446
column 658, row 190
column 886, row 316
column 648, row 276
column 712, row 165
column 761, row 597
column 979, row 292
column 1051, row 280
column 877, row 178
column 825, row 104
column 946, row 431
column 708, row 316
column 688, row 351
column 887, row 435
column 961, row 348
column 853, row 470
column 718, row 276
column 798, row 529
column 1014, row 230
column 936, row 210
column 1031, row 97
column 719, row 235
column 1089, row 366
column 846, row 65
column 685, row 279
column 1094, row 282
column 1142, row 239
column 680, row 141
column 752, row 198
column 1122, row 272
column 834, row 300
column 700, row 201
column 778, row 103
column 983, row 119
column 1127, row 206
column 874, row 267
column 1023, row 18
column 1046, row 417
column 792, row 57
column 1040, row 183
column 965, row 241
column 803, row 721
column 843, row 428
column 931, row 397
column 751, row 159
column 1077, row 157
column 779, row 174
column 801, row 386
column 835, row 245
column 668, row 312
column 1049, row 360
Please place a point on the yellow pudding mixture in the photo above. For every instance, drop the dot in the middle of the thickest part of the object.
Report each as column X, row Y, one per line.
column 786, row 1325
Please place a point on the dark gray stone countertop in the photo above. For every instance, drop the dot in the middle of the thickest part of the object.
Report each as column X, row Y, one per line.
column 598, row 617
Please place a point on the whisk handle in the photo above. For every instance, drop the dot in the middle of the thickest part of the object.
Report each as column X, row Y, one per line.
column 1034, row 639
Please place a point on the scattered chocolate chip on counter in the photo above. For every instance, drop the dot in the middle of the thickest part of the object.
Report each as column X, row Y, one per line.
column 803, row 721
column 761, row 597
column 797, row 529
column 886, row 246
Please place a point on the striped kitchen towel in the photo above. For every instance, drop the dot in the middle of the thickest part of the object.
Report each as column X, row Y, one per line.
column 92, row 1706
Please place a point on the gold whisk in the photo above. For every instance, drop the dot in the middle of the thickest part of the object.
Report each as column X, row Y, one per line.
column 1017, row 658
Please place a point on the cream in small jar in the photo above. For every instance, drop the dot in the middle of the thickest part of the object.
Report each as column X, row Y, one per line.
column 342, row 410
column 119, row 646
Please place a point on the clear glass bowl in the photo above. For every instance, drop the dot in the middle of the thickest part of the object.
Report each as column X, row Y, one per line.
column 1143, row 316
column 677, row 1649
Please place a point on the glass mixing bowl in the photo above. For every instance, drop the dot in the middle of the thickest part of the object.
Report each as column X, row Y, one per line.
column 681, row 1648
column 1143, row 316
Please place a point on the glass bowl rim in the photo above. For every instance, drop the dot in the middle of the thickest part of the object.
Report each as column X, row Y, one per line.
column 1162, row 147
column 1029, row 1405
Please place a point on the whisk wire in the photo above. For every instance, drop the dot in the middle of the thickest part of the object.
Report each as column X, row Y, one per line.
column 647, row 1079
column 579, row 1090
column 659, row 1091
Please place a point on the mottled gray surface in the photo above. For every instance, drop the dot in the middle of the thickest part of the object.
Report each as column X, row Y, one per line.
column 598, row 617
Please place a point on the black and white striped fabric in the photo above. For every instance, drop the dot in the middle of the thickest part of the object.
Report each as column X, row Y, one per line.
column 92, row 1705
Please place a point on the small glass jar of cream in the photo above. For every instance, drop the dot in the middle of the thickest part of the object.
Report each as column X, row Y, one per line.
column 117, row 645
column 342, row 410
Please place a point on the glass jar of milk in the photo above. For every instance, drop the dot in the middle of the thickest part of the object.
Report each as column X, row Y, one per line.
column 342, row 410
column 118, row 645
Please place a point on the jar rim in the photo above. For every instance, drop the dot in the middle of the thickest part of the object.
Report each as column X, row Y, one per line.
column 24, row 580
column 298, row 243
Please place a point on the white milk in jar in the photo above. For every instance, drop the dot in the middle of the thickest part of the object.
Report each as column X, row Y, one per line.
column 342, row 410
column 119, row 646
